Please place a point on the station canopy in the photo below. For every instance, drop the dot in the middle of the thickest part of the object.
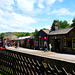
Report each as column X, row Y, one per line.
column 25, row 37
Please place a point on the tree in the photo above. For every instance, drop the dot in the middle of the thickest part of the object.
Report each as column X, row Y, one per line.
column 63, row 24
column 45, row 29
column 2, row 34
column 52, row 27
column 36, row 31
column 21, row 34
column 27, row 34
column 73, row 24
column 60, row 24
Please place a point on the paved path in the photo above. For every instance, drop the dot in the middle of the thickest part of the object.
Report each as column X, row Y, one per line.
column 53, row 55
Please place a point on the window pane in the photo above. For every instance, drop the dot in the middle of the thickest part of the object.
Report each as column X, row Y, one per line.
column 73, row 40
column 73, row 45
column 64, row 42
column 70, row 43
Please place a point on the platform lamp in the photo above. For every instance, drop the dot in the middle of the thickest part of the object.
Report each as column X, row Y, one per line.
column 45, row 38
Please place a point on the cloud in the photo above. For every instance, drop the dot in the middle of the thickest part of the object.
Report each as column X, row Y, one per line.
column 43, row 18
column 11, row 21
column 40, row 4
column 46, row 26
column 60, row 0
column 7, row 4
column 15, row 22
column 19, row 15
column 6, row 28
column 50, row 2
column 21, row 20
column 70, row 22
column 62, row 11
column 26, row 5
column 47, row 2
column 1, row 12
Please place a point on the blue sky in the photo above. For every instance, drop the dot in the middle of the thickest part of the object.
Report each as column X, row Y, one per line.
column 28, row 15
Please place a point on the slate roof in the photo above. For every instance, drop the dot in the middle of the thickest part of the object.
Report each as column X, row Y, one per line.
column 46, row 31
column 61, row 31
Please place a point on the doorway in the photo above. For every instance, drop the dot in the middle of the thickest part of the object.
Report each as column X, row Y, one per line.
column 57, row 45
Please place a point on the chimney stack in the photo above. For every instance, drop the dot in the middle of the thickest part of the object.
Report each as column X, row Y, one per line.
column 55, row 25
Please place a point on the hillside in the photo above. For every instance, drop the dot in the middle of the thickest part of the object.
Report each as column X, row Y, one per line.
column 19, row 34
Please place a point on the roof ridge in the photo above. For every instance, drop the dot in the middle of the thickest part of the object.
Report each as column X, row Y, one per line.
column 61, row 31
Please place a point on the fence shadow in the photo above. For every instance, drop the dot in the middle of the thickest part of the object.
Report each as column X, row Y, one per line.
column 15, row 63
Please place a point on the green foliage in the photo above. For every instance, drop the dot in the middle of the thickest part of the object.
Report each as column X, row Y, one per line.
column 27, row 34
column 52, row 27
column 2, row 34
column 3, row 73
column 61, row 24
column 73, row 24
column 45, row 29
column 21, row 34
column 36, row 31
column 18, row 34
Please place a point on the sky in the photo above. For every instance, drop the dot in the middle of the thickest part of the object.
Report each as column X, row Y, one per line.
column 28, row 15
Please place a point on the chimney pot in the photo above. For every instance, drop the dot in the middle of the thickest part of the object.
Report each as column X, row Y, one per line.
column 55, row 25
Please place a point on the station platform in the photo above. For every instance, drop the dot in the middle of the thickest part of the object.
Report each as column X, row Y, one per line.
column 52, row 55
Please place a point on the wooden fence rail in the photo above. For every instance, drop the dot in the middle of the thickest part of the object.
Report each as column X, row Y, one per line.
column 13, row 63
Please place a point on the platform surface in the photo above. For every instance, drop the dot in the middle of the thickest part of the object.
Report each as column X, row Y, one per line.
column 53, row 55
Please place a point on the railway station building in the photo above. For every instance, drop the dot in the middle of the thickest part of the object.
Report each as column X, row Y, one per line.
column 62, row 40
